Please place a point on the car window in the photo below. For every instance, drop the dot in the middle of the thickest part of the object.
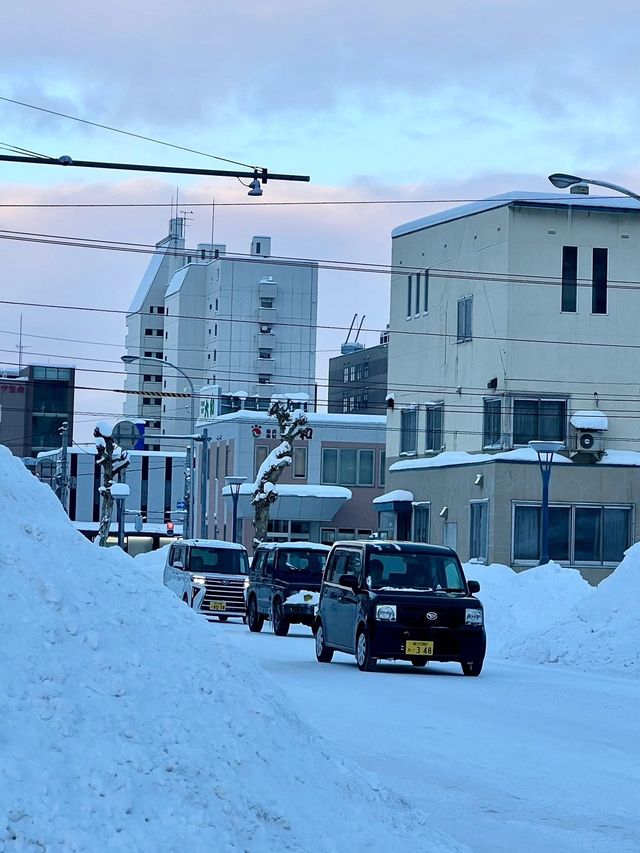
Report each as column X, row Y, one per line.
column 178, row 555
column 269, row 563
column 227, row 561
column 417, row 570
column 257, row 567
column 353, row 565
column 300, row 564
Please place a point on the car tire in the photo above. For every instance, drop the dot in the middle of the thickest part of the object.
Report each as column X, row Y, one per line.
column 366, row 663
column 255, row 620
column 278, row 620
column 222, row 618
column 323, row 653
column 420, row 664
column 473, row 667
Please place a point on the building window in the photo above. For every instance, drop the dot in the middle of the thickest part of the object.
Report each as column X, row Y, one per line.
column 365, row 370
column 599, row 282
column 149, row 332
column 146, row 401
column 595, row 535
column 417, row 295
column 409, row 303
column 216, row 304
column 408, row 430
column 264, row 353
column 434, row 427
column 383, row 467
column 161, row 309
column 465, row 310
column 260, row 453
column 421, row 518
column 345, row 374
column 327, row 535
column 345, row 404
column 148, row 354
column 425, row 291
column 569, row 278
column 299, row 461
column 264, row 379
column 266, row 301
column 492, row 422
column 539, row 420
column 352, row 373
column 215, row 330
column 347, row 467
column 479, row 530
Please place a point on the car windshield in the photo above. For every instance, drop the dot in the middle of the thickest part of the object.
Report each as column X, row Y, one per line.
column 224, row 561
column 300, row 564
column 417, row 570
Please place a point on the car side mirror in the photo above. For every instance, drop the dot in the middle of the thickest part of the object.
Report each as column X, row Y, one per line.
column 351, row 581
column 474, row 586
column 178, row 564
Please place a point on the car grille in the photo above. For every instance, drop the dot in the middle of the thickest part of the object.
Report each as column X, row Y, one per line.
column 415, row 615
column 229, row 591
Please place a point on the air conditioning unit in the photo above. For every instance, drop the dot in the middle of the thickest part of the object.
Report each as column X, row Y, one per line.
column 589, row 441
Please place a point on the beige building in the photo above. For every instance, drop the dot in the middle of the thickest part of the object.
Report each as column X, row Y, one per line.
column 516, row 320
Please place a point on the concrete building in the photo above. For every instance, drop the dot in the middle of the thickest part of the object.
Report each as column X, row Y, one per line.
column 358, row 379
column 516, row 321
column 237, row 324
column 34, row 403
column 325, row 495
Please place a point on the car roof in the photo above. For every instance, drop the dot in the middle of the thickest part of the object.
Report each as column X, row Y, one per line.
column 294, row 546
column 390, row 546
column 211, row 543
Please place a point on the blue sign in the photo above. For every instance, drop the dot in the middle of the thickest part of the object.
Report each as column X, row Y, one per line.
column 181, row 505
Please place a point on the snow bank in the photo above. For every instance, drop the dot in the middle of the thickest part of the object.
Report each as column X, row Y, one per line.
column 550, row 614
column 130, row 723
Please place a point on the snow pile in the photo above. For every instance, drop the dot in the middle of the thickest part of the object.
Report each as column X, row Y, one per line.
column 130, row 723
column 550, row 614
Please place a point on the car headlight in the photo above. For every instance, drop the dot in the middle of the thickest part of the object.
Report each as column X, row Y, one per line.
column 473, row 617
column 198, row 579
column 386, row 612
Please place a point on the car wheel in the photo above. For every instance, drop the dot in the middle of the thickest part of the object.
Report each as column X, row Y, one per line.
column 473, row 667
column 255, row 620
column 222, row 618
column 365, row 662
column 323, row 653
column 419, row 663
column 278, row 620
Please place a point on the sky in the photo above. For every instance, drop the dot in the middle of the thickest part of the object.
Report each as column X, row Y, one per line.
column 418, row 103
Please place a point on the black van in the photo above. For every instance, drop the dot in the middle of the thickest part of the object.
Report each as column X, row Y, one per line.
column 284, row 584
column 399, row 601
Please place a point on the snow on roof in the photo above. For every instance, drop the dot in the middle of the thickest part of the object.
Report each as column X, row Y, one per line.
column 505, row 199
column 295, row 546
column 177, row 280
column 590, row 420
column 298, row 490
column 213, row 543
column 395, row 495
column 314, row 418
column 147, row 280
column 521, row 454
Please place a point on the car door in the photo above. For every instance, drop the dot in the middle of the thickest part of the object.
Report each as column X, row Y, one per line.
column 347, row 600
column 266, row 582
column 330, row 595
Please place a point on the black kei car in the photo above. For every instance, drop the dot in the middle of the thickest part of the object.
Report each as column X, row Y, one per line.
column 284, row 584
column 399, row 601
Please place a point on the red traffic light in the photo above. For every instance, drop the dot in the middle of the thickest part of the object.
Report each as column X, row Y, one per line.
column 170, row 528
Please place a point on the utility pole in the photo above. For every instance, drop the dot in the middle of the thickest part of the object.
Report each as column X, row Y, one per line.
column 62, row 479
column 204, row 481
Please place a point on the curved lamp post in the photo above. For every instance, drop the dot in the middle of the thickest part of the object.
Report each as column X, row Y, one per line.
column 563, row 182
column 234, row 484
column 545, row 451
column 129, row 359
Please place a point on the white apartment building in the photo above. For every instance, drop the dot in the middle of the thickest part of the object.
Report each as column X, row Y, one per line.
column 244, row 326
column 516, row 320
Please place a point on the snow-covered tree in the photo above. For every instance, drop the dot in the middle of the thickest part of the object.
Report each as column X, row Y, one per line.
column 113, row 460
column 292, row 423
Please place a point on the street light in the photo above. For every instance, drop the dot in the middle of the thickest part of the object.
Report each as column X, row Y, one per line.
column 563, row 182
column 545, row 451
column 234, row 484
column 129, row 359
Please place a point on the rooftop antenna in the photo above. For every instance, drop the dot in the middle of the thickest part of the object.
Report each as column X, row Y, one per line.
column 213, row 216
column 20, row 347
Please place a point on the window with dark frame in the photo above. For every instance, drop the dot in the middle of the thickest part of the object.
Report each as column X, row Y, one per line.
column 569, row 278
column 479, row 530
column 417, row 300
column 492, row 422
column 434, row 434
column 409, row 303
column 465, row 312
column 408, row 430
column 599, row 282
column 538, row 419
column 425, row 297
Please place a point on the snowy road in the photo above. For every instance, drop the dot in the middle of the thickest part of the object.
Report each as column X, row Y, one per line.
column 525, row 758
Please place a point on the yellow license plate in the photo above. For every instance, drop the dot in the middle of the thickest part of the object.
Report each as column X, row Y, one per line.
column 419, row 648
column 217, row 605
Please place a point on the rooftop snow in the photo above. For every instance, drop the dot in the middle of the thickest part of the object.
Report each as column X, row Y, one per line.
column 512, row 198
column 590, row 420
column 395, row 495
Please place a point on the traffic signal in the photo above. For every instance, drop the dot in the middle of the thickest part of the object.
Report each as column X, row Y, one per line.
column 170, row 528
